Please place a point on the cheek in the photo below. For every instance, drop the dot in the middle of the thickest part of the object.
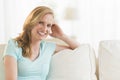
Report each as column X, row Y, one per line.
column 33, row 31
column 49, row 30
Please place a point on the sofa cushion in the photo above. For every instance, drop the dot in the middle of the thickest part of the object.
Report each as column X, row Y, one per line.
column 78, row 64
column 109, row 60
column 2, row 46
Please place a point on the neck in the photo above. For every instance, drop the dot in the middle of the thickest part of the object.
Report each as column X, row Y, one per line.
column 35, row 45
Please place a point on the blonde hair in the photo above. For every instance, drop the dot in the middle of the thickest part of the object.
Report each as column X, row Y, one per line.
column 24, row 39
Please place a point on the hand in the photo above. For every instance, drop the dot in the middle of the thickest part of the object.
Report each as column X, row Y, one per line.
column 56, row 31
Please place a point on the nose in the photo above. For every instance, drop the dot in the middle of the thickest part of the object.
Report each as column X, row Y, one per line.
column 45, row 28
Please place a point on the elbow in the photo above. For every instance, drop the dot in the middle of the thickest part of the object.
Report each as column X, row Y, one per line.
column 10, row 78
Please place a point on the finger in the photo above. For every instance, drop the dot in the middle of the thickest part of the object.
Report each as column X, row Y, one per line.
column 50, row 32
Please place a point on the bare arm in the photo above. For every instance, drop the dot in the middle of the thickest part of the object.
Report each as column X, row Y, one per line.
column 10, row 64
column 71, row 43
column 58, row 33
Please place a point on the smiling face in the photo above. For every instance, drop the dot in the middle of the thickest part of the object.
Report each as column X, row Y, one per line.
column 42, row 29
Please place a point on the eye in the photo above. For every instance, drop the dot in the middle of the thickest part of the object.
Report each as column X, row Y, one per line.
column 49, row 25
column 41, row 22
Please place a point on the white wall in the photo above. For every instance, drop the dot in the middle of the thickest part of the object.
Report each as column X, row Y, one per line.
column 97, row 19
column 2, row 34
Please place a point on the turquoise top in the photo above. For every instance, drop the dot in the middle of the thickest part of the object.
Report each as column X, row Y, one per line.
column 28, row 69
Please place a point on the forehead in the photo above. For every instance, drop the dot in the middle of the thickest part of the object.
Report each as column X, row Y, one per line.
column 48, row 18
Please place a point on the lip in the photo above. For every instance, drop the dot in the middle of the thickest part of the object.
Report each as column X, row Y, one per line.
column 41, row 33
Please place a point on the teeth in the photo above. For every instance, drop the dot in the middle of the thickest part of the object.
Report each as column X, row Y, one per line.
column 41, row 33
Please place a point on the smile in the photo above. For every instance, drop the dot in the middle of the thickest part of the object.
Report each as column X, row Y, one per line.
column 41, row 33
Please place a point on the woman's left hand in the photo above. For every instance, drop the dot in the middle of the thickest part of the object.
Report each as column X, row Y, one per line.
column 56, row 31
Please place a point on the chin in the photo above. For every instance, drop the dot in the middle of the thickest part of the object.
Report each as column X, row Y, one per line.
column 44, row 37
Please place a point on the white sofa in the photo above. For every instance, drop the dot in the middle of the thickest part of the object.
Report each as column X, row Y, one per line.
column 2, row 46
column 109, row 60
column 80, row 64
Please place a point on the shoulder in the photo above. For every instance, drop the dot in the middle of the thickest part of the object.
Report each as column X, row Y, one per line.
column 12, row 49
column 12, row 42
column 48, row 46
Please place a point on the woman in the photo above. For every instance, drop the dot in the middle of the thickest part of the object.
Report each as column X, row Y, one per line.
column 27, row 57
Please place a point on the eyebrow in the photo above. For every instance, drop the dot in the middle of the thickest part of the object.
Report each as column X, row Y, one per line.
column 45, row 22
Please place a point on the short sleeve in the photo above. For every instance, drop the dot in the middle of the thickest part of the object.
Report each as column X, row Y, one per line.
column 11, row 49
